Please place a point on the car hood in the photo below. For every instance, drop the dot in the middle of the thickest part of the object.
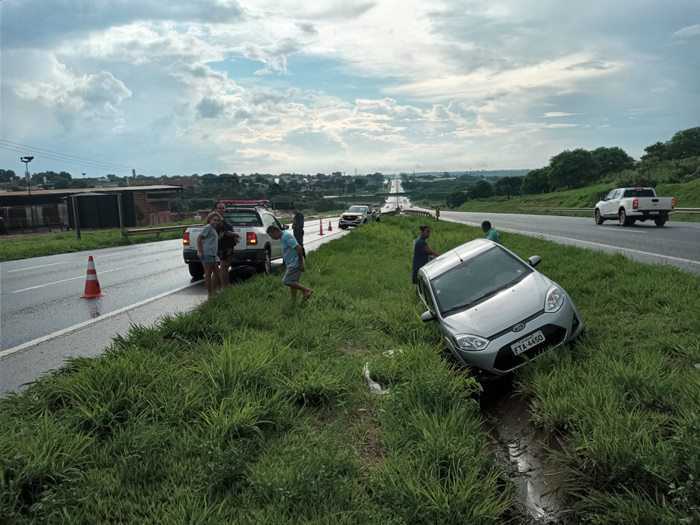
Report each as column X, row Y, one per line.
column 506, row 308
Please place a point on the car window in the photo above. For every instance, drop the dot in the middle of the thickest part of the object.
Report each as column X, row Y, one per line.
column 423, row 290
column 639, row 192
column 358, row 209
column 478, row 278
column 610, row 195
column 243, row 217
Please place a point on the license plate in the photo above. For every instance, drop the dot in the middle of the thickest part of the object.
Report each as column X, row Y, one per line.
column 527, row 343
column 653, row 213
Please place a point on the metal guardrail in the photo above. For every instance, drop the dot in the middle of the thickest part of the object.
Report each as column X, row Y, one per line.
column 590, row 210
column 157, row 230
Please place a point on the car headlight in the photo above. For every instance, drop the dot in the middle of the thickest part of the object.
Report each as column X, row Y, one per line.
column 472, row 343
column 554, row 300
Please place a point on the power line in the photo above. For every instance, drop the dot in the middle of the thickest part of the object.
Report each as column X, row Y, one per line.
column 57, row 159
column 68, row 156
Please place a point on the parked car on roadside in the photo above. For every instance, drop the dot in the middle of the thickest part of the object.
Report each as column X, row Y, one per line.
column 355, row 216
column 495, row 311
column 255, row 247
column 628, row 205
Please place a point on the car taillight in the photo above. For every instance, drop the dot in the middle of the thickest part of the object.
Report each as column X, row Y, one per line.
column 635, row 203
column 186, row 239
column 251, row 238
column 674, row 201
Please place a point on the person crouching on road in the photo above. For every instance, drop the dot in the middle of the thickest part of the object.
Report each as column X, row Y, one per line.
column 207, row 249
column 293, row 256
column 421, row 251
column 227, row 240
column 490, row 231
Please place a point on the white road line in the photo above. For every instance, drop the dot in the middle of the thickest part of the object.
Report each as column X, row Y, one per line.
column 64, row 331
column 572, row 240
column 37, row 266
column 21, row 290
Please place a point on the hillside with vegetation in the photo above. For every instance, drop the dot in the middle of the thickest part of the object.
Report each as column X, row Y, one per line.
column 577, row 178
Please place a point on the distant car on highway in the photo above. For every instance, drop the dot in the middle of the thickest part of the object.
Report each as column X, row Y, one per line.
column 355, row 216
column 628, row 205
column 495, row 311
column 255, row 247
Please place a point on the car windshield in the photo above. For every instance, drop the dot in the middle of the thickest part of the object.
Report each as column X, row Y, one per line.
column 358, row 209
column 242, row 218
column 640, row 192
column 476, row 279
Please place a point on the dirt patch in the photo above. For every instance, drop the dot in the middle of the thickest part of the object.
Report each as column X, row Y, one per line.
column 369, row 438
column 524, row 451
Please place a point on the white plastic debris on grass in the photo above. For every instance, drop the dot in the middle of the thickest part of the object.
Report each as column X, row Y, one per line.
column 374, row 387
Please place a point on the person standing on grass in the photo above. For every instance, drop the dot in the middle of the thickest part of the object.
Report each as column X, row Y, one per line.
column 207, row 249
column 298, row 228
column 293, row 257
column 421, row 251
column 490, row 231
column 227, row 240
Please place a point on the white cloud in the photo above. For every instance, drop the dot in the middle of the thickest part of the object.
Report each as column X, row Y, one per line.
column 687, row 32
column 558, row 114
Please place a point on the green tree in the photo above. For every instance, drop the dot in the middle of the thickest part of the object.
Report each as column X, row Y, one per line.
column 611, row 160
column 481, row 190
column 684, row 144
column 508, row 186
column 456, row 199
column 656, row 151
column 536, row 181
column 572, row 169
column 7, row 175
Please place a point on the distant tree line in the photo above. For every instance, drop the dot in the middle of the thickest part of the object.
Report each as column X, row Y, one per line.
column 579, row 167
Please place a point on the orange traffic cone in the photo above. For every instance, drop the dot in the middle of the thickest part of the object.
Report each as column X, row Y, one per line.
column 330, row 226
column 92, row 285
column 320, row 226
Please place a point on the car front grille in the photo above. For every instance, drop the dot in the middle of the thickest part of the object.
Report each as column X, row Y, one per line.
column 350, row 217
column 505, row 360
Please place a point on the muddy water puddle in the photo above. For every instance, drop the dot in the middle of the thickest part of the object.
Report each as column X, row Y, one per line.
column 524, row 452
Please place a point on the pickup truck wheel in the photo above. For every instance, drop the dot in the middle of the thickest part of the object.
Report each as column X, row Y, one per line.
column 623, row 219
column 598, row 219
column 660, row 221
column 266, row 266
column 196, row 270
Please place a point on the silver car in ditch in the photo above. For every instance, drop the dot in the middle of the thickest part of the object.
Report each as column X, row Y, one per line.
column 495, row 310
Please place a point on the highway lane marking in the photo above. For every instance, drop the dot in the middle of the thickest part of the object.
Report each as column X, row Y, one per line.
column 21, row 290
column 79, row 326
column 37, row 266
column 547, row 236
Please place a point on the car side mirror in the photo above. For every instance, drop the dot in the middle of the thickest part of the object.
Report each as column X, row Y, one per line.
column 534, row 260
column 427, row 316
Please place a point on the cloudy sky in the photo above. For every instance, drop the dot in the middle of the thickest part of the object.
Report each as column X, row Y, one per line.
column 183, row 86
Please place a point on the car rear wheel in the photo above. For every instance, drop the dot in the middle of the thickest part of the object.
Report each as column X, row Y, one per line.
column 623, row 219
column 598, row 218
column 266, row 266
column 196, row 270
column 660, row 221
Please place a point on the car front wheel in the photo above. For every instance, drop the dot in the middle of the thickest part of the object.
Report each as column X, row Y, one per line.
column 598, row 218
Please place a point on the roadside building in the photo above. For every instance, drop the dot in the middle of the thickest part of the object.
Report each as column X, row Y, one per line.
column 96, row 207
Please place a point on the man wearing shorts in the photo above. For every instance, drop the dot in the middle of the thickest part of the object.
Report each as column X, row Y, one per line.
column 293, row 257
column 227, row 240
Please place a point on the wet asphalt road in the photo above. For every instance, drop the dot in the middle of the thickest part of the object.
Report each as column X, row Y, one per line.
column 677, row 243
column 40, row 296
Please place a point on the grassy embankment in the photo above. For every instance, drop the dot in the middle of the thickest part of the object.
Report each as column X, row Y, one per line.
column 13, row 247
column 248, row 411
column 687, row 193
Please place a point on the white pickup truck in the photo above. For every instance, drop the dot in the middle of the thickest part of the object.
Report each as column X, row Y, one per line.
column 255, row 247
column 627, row 205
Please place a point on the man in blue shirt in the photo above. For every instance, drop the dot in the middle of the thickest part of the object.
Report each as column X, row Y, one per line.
column 490, row 231
column 293, row 257
column 421, row 252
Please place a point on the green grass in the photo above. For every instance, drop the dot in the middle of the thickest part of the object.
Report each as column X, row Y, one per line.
column 39, row 244
column 687, row 193
column 250, row 411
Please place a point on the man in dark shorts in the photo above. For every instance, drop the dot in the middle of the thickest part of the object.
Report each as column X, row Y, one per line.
column 293, row 256
column 421, row 251
column 298, row 228
column 227, row 240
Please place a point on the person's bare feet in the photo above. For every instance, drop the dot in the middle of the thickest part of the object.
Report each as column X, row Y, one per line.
column 307, row 294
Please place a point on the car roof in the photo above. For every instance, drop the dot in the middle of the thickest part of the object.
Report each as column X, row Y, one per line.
column 450, row 259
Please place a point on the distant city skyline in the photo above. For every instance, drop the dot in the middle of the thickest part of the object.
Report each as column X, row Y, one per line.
column 289, row 86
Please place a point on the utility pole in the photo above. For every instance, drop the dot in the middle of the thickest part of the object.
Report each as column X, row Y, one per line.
column 27, row 159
